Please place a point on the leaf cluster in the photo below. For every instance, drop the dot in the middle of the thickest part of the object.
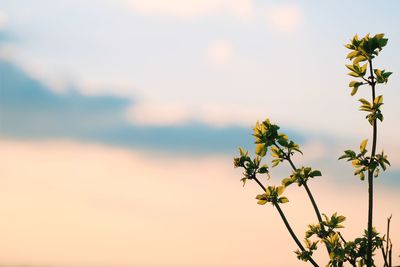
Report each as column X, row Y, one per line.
column 300, row 176
column 266, row 135
column 363, row 51
column 251, row 167
column 363, row 163
column 272, row 195
column 373, row 109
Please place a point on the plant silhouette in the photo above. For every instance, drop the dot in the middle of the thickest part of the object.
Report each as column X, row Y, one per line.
column 367, row 163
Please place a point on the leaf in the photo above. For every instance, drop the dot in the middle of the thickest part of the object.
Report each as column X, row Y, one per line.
column 364, row 68
column 262, row 202
column 356, row 163
column 268, row 190
column 283, row 200
column 275, row 152
column 354, row 91
column 353, row 83
column 352, row 67
column 241, row 151
column 263, row 169
column 378, row 100
column 363, row 145
column 364, row 101
column 382, row 42
column 360, row 59
column 387, row 74
column 354, row 74
column 280, row 190
column 287, row 181
column 315, row 173
column 353, row 54
column 341, row 218
column 275, row 162
column 260, row 150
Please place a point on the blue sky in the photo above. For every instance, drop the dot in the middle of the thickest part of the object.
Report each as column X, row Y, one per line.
column 208, row 62
column 114, row 104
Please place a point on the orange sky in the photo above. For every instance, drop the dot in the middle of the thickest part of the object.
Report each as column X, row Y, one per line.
column 68, row 203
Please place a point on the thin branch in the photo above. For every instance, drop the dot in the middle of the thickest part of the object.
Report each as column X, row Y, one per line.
column 310, row 259
column 370, row 174
column 310, row 195
column 285, row 221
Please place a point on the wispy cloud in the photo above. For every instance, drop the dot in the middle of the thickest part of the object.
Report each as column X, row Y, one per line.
column 30, row 110
column 158, row 114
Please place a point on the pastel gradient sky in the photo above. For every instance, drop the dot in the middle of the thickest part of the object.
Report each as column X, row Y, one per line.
column 119, row 120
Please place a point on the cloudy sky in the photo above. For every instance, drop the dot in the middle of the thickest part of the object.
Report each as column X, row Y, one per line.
column 119, row 120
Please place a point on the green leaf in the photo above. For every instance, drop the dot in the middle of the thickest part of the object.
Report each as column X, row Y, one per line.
column 288, row 181
column 387, row 74
column 263, row 169
column 315, row 173
column 382, row 42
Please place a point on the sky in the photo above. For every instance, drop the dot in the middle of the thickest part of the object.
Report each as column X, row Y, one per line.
column 119, row 120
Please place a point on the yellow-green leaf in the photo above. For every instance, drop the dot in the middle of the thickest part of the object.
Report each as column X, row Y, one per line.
column 261, row 202
column 260, row 150
column 363, row 145
column 378, row 100
column 280, row 190
column 283, row 200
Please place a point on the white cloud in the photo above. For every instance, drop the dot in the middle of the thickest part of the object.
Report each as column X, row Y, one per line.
column 173, row 113
column 220, row 52
column 221, row 116
column 151, row 113
column 183, row 9
column 285, row 18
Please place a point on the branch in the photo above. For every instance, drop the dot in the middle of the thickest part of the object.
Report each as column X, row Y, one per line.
column 310, row 196
column 288, row 227
column 370, row 174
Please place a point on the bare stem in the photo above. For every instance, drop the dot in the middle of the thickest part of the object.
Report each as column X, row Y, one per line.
column 292, row 233
column 387, row 252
